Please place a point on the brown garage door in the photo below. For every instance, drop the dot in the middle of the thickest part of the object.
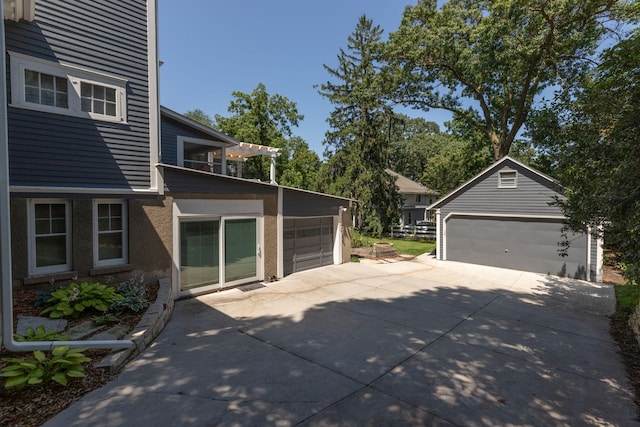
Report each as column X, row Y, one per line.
column 308, row 243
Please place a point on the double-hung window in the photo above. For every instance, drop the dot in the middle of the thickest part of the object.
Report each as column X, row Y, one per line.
column 53, row 87
column 49, row 225
column 109, row 232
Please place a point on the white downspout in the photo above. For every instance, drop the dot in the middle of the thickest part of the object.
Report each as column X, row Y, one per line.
column 5, row 238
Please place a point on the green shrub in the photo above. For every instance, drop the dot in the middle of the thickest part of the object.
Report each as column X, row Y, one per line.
column 74, row 299
column 58, row 365
column 40, row 334
column 104, row 319
column 42, row 299
column 134, row 295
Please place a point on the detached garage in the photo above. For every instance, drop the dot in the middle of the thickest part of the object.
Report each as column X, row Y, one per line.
column 503, row 218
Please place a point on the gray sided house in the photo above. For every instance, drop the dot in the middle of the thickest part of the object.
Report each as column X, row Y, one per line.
column 105, row 183
column 503, row 218
column 416, row 199
column 83, row 130
column 227, row 230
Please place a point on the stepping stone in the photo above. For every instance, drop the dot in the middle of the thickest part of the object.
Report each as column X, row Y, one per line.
column 113, row 333
column 83, row 329
column 25, row 322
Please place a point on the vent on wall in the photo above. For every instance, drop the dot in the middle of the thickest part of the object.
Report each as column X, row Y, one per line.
column 16, row 10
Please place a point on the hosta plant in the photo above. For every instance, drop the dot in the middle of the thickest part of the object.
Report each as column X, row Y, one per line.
column 58, row 365
column 74, row 299
column 134, row 295
column 41, row 334
column 104, row 319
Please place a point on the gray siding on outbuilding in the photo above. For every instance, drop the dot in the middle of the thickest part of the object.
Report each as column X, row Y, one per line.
column 531, row 197
column 296, row 203
column 513, row 227
column 191, row 181
column 53, row 150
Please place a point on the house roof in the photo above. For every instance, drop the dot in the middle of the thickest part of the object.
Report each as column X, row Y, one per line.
column 488, row 171
column 408, row 186
column 164, row 111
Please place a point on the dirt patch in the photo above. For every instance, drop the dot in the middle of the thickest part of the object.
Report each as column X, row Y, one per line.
column 33, row 405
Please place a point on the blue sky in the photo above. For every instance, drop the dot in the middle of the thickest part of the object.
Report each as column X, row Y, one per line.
column 212, row 48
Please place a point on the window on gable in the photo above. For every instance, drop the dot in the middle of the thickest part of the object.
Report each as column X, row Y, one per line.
column 110, row 232
column 56, row 88
column 507, row 179
column 49, row 237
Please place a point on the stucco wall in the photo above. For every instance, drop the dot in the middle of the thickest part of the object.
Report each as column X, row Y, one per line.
column 149, row 242
column 150, row 237
column 270, row 206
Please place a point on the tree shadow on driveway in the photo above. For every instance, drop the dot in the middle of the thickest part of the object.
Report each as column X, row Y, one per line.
column 440, row 354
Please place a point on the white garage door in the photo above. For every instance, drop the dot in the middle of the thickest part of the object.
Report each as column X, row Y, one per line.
column 308, row 243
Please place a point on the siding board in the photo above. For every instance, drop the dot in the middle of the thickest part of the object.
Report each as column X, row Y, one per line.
column 56, row 150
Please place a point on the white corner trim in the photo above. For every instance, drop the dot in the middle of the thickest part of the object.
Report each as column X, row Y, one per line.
column 154, row 98
column 280, row 231
column 439, row 238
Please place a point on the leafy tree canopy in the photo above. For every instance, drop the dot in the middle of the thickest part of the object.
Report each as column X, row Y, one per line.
column 487, row 61
column 260, row 118
column 200, row 116
column 595, row 141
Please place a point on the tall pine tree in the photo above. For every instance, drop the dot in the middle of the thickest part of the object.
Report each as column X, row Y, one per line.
column 358, row 142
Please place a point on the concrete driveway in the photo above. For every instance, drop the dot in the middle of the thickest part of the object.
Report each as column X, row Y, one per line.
column 410, row 343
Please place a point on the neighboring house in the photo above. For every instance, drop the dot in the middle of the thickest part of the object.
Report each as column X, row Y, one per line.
column 91, row 194
column 416, row 199
column 503, row 217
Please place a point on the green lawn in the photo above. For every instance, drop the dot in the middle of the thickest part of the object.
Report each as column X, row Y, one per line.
column 407, row 247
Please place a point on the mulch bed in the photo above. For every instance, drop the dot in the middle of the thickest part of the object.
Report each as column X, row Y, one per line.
column 33, row 405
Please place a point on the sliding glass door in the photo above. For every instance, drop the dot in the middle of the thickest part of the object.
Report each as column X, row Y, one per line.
column 199, row 253
column 240, row 249
column 218, row 252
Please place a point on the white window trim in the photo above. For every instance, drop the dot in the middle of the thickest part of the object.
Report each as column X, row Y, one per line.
column 183, row 139
column 125, row 234
column 31, row 230
column 502, row 184
column 74, row 76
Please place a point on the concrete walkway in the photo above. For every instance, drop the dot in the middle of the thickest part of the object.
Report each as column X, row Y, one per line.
column 409, row 343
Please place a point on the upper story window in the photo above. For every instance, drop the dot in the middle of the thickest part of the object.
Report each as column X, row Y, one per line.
column 201, row 154
column 45, row 89
column 507, row 179
column 98, row 99
column 56, row 88
column 418, row 198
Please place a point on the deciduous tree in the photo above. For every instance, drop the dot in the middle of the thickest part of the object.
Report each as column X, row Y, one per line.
column 488, row 61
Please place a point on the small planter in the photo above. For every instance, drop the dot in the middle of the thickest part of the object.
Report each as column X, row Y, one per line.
column 382, row 250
